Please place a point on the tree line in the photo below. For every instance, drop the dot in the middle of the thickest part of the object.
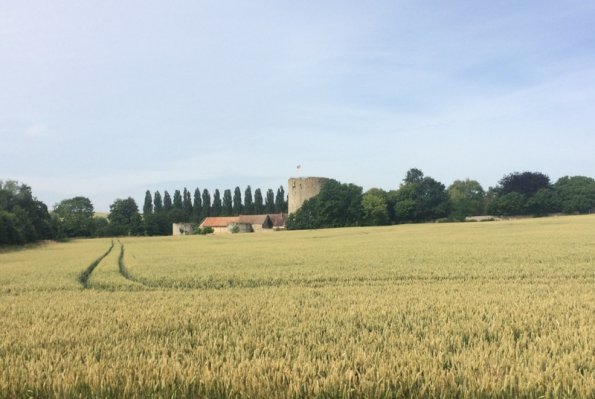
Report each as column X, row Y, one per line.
column 421, row 198
column 159, row 212
column 74, row 217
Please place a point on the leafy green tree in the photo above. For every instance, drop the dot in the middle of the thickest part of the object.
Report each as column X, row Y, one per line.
column 157, row 224
column 178, row 200
column 375, row 209
column 467, row 198
column 75, row 216
column 124, row 217
column 237, row 201
column 510, row 204
column 217, row 205
column 187, row 204
column 157, row 203
column 227, row 203
column 101, row 227
column 258, row 202
column 269, row 204
column 206, row 203
column 413, row 176
column 543, row 202
column 148, row 205
column 337, row 205
column 576, row 193
column 526, row 183
column 197, row 207
column 23, row 218
column 248, row 204
column 421, row 199
column 167, row 204
column 280, row 202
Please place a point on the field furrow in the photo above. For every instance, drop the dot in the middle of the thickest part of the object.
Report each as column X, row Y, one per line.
column 86, row 274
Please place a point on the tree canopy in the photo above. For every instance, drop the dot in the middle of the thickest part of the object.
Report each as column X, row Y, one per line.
column 76, row 217
column 124, row 217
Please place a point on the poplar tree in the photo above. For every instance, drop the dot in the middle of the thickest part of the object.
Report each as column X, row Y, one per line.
column 167, row 205
column 206, row 203
column 237, row 201
column 227, row 203
column 258, row 203
column 269, row 203
column 187, row 203
column 197, row 207
column 178, row 200
column 216, row 203
column 280, row 204
column 157, row 202
column 148, row 206
column 248, row 205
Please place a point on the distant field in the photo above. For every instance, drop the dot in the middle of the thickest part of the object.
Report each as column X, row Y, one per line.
column 497, row 309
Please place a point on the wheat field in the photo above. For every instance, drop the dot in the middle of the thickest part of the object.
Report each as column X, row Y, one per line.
column 495, row 310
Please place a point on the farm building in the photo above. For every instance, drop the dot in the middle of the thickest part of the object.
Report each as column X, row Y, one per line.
column 245, row 223
column 181, row 229
column 258, row 222
column 278, row 220
column 220, row 224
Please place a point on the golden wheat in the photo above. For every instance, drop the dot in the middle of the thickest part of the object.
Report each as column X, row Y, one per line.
column 502, row 309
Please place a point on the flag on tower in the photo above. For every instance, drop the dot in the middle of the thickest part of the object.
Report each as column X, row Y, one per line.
column 299, row 166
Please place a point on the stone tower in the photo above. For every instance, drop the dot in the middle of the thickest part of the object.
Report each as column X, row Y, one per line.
column 302, row 188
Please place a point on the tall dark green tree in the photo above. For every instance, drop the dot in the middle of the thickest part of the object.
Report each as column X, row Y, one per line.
column 227, row 203
column 178, row 200
column 148, row 205
column 197, row 207
column 206, row 203
column 76, row 216
column 157, row 203
column 280, row 202
column 269, row 204
column 217, row 206
column 187, row 204
column 513, row 194
column 167, row 204
column 237, row 201
column 526, row 183
column 258, row 202
column 248, row 204
column 124, row 217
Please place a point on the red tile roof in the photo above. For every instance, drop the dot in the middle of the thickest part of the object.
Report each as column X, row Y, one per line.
column 219, row 221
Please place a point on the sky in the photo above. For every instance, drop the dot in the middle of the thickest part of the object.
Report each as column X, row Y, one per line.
column 107, row 99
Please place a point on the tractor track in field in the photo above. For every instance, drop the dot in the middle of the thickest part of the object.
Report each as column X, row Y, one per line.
column 124, row 270
column 86, row 274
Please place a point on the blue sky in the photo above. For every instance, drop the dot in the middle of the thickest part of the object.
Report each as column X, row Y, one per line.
column 107, row 99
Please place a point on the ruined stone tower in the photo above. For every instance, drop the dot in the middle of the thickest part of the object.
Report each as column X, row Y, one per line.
column 302, row 188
